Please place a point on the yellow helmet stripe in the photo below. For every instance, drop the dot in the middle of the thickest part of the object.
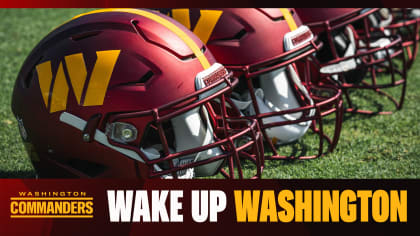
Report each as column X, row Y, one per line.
column 169, row 25
column 289, row 18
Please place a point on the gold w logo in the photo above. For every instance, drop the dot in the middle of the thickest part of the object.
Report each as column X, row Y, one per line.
column 205, row 24
column 55, row 92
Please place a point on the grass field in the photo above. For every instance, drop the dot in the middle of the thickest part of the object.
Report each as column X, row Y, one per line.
column 369, row 147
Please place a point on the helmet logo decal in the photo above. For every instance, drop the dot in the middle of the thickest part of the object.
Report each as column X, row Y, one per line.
column 215, row 76
column 205, row 24
column 55, row 91
column 182, row 16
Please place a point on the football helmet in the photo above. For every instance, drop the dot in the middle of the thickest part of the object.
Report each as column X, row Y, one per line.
column 404, row 22
column 354, row 57
column 269, row 50
column 131, row 93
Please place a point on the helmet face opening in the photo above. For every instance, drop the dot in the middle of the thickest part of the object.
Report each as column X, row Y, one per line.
column 199, row 139
column 356, row 59
column 279, row 94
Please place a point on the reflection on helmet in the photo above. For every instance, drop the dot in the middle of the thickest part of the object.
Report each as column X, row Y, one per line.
column 131, row 93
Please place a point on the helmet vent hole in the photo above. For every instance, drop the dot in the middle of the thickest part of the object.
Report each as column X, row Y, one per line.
column 140, row 82
column 146, row 77
column 237, row 36
column 85, row 35
column 240, row 34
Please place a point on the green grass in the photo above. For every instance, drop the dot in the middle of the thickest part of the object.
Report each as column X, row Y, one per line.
column 20, row 31
column 369, row 147
column 378, row 146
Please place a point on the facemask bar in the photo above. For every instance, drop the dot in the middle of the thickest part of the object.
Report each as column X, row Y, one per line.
column 367, row 55
column 409, row 28
column 251, row 150
column 339, row 23
column 323, row 106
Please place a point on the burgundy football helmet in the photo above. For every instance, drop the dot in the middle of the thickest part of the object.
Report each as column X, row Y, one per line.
column 402, row 21
column 131, row 93
column 269, row 50
column 353, row 56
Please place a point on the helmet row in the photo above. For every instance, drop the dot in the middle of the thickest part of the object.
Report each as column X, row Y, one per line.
column 197, row 92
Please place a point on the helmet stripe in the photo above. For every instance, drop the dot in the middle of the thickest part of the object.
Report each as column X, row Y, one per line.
column 169, row 25
column 289, row 18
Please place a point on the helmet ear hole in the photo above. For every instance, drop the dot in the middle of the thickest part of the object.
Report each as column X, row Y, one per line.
column 84, row 35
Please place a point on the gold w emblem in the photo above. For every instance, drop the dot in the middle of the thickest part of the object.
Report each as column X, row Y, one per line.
column 56, row 100
column 205, row 24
